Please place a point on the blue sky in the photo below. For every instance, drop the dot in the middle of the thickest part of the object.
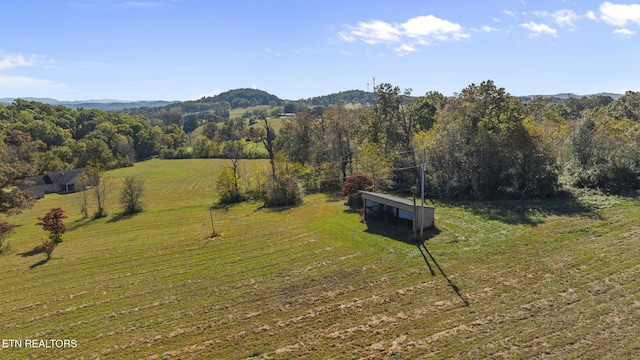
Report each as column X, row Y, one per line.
column 186, row 49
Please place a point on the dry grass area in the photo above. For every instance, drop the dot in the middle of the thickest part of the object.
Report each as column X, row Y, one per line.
column 556, row 279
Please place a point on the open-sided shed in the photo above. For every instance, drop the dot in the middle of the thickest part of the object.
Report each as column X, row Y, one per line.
column 381, row 207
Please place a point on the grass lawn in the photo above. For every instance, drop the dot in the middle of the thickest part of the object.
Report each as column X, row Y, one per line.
column 556, row 278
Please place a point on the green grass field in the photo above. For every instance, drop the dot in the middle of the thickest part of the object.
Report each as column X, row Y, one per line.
column 557, row 278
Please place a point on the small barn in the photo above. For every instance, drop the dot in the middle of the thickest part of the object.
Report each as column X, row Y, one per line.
column 61, row 182
column 387, row 208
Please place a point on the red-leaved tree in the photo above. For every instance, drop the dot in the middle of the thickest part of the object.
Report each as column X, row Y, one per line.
column 353, row 184
column 52, row 222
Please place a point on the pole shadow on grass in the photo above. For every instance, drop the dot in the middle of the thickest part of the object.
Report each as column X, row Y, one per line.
column 451, row 283
column 401, row 232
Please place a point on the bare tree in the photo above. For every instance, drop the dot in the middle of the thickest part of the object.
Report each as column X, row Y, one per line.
column 268, row 141
column 99, row 189
column 85, row 182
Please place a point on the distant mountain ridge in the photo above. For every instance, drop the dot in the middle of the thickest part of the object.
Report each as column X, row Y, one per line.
column 564, row 96
column 243, row 97
column 104, row 104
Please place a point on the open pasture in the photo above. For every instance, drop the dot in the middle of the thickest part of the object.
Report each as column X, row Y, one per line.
column 556, row 278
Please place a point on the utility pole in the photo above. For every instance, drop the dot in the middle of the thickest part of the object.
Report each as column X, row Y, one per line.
column 424, row 169
column 415, row 231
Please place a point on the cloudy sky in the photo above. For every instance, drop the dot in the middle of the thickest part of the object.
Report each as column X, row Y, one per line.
column 186, row 49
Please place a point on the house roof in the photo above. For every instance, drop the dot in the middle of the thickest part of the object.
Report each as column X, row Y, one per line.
column 56, row 177
column 390, row 200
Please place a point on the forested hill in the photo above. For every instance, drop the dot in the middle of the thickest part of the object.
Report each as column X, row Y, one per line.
column 244, row 98
column 345, row 97
column 237, row 98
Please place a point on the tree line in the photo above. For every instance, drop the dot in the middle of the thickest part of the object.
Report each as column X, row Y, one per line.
column 482, row 143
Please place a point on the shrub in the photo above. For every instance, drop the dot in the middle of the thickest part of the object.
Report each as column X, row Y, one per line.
column 283, row 191
column 5, row 228
column 229, row 187
column 353, row 184
column 47, row 247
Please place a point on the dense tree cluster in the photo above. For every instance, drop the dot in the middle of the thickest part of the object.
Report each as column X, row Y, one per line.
column 359, row 97
column 56, row 137
column 481, row 143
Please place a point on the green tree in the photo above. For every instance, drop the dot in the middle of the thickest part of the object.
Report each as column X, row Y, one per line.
column 13, row 172
column 229, row 181
column 373, row 162
column 5, row 229
column 131, row 195
column 283, row 191
column 341, row 128
column 480, row 148
column 425, row 110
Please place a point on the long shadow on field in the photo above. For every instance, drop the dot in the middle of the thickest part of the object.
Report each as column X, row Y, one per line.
column 526, row 211
column 451, row 283
column 121, row 216
column 79, row 223
column 405, row 234
column 35, row 251
column 39, row 263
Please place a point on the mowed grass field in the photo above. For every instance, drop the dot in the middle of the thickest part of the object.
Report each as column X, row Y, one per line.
column 557, row 278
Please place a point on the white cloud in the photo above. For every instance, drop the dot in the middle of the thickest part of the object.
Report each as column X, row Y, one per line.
column 565, row 18
column 346, row 36
column 619, row 14
column 420, row 30
column 538, row 29
column 375, row 32
column 431, row 26
column 10, row 61
column 269, row 51
column 16, row 60
column 486, row 28
column 9, row 81
column 405, row 49
column 591, row 15
column 623, row 32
